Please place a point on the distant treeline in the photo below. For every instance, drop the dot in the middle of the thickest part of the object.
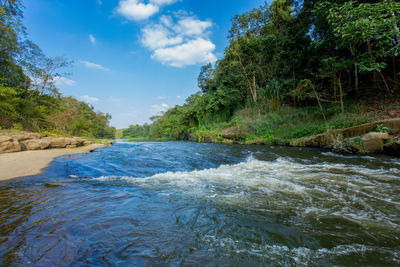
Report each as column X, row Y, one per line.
column 29, row 99
column 136, row 132
column 308, row 53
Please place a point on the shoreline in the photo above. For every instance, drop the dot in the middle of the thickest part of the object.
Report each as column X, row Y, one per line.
column 32, row 162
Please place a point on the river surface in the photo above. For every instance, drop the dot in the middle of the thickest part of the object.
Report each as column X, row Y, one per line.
column 189, row 204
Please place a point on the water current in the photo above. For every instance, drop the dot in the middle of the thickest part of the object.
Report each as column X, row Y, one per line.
column 189, row 204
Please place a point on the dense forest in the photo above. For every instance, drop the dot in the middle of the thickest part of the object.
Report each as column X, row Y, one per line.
column 29, row 98
column 295, row 68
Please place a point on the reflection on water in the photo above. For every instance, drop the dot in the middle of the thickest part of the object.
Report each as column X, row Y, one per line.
column 204, row 204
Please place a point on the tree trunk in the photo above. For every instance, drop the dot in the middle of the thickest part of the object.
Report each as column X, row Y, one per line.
column 355, row 68
column 319, row 102
column 341, row 93
column 254, row 91
column 395, row 76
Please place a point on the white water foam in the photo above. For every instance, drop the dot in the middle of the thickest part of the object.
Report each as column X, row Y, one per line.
column 367, row 197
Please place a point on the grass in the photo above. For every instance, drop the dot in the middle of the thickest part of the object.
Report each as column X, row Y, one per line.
column 287, row 124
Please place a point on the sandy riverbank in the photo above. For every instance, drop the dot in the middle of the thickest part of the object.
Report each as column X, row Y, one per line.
column 19, row 164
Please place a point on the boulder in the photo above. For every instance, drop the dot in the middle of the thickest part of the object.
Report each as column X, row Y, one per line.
column 35, row 144
column 58, row 142
column 76, row 141
column 5, row 139
column 374, row 142
column 392, row 149
column 9, row 145
column 87, row 142
column 232, row 133
column 21, row 136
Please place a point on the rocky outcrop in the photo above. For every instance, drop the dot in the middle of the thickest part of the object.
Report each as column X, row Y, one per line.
column 20, row 141
column 373, row 142
column 232, row 133
column 35, row 144
column 9, row 145
column 392, row 148
column 326, row 139
column 359, row 139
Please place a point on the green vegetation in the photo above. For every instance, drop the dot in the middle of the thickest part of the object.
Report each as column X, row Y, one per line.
column 294, row 69
column 136, row 132
column 29, row 99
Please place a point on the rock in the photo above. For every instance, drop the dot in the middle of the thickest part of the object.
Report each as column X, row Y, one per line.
column 21, row 136
column 373, row 142
column 227, row 142
column 320, row 140
column 72, row 146
column 58, row 142
column 87, row 142
column 232, row 133
column 5, row 139
column 35, row 144
column 392, row 149
column 8, row 145
column 76, row 141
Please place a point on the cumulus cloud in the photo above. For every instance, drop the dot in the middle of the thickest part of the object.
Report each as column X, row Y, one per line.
column 89, row 99
column 139, row 9
column 92, row 39
column 192, row 27
column 91, row 65
column 136, row 9
column 159, row 109
column 157, row 36
column 179, row 43
column 190, row 53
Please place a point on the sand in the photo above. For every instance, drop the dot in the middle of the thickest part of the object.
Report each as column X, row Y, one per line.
column 26, row 163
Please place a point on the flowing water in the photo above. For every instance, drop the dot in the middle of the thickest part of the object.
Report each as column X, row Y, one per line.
column 189, row 204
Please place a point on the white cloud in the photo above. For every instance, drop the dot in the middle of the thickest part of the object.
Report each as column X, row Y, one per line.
column 91, row 65
column 141, row 9
column 64, row 81
column 181, row 43
column 159, row 109
column 162, row 2
column 89, row 99
column 166, row 20
column 190, row 53
column 136, row 10
column 192, row 27
column 157, row 36
column 92, row 39
column 161, row 97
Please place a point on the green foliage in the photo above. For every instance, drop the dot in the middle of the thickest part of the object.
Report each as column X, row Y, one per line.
column 136, row 132
column 291, row 69
column 382, row 129
column 29, row 99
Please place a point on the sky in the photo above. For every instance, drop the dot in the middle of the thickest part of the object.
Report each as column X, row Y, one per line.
column 132, row 59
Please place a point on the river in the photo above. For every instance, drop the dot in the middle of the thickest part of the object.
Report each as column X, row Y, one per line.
column 190, row 204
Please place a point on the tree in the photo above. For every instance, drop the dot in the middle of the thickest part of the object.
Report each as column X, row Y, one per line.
column 369, row 31
column 42, row 70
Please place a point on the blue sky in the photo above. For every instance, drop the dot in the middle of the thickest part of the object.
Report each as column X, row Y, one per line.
column 132, row 58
